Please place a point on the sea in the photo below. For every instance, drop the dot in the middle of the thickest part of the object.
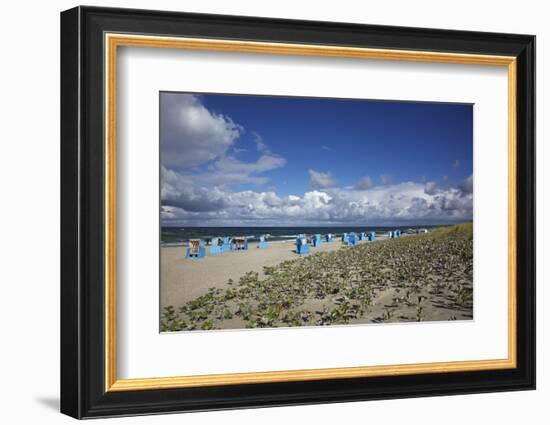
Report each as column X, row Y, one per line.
column 174, row 236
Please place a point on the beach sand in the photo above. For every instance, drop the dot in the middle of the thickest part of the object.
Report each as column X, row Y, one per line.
column 183, row 280
column 416, row 278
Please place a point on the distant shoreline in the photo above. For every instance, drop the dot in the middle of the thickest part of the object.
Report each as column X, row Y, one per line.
column 179, row 236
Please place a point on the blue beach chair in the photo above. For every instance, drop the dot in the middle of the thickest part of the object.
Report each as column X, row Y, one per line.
column 301, row 245
column 372, row 236
column 239, row 243
column 352, row 239
column 216, row 246
column 226, row 244
column 195, row 249
column 317, row 241
column 263, row 243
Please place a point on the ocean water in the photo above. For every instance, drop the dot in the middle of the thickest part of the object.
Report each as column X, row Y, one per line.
column 180, row 235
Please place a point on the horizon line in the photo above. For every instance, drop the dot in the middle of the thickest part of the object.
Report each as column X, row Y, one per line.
column 351, row 225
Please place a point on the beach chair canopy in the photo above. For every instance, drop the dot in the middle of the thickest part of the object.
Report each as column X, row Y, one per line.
column 301, row 240
column 239, row 241
column 194, row 246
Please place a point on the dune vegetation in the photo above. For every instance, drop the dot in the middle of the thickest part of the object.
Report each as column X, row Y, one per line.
column 422, row 277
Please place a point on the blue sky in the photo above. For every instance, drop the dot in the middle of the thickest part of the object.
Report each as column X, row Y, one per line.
column 245, row 160
column 409, row 141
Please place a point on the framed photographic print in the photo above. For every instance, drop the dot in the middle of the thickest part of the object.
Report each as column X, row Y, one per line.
column 261, row 212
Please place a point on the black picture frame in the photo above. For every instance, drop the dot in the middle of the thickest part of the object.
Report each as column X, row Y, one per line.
column 83, row 392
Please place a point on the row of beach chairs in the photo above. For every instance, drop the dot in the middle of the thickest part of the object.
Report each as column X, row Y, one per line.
column 349, row 239
column 196, row 248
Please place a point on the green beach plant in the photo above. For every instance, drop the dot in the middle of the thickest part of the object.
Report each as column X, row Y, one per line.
column 417, row 270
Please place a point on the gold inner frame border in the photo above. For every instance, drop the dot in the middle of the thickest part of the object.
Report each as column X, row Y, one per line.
column 112, row 41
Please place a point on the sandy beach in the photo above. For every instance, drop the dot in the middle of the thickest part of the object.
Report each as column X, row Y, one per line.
column 183, row 280
column 414, row 278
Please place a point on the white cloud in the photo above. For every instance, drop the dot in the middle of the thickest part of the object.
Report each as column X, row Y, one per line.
column 232, row 165
column 179, row 192
column 197, row 145
column 406, row 203
column 364, row 183
column 467, row 185
column 191, row 134
column 319, row 180
column 430, row 188
column 260, row 144
column 230, row 170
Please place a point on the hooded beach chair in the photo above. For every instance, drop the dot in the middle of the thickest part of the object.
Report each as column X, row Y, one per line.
column 216, row 246
column 239, row 243
column 263, row 242
column 317, row 242
column 195, row 249
column 226, row 244
column 301, row 245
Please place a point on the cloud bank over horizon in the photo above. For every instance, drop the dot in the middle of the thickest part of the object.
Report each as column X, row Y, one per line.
column 211, row 177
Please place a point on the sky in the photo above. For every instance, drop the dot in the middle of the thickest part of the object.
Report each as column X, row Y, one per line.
column 243, row 160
